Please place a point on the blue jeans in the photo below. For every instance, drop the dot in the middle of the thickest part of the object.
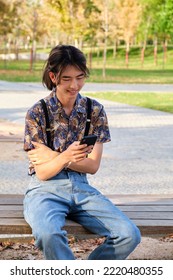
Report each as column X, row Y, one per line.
column 68, row 194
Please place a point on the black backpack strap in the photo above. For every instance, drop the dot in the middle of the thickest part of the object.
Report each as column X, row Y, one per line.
column 88, row 116
column 47, row 122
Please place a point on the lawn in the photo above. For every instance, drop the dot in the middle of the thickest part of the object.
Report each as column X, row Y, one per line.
column 112, row 75
column 155, row 101
column 116, row 70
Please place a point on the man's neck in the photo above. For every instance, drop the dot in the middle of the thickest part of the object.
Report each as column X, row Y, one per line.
column 67, row 104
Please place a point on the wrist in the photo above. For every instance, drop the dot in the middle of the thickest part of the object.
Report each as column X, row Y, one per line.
column 54, row 154
column 64, row 160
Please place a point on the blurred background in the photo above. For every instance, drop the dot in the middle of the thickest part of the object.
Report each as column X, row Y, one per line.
column 127, row 41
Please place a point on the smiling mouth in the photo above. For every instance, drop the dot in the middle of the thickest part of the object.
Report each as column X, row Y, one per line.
column 73, row 91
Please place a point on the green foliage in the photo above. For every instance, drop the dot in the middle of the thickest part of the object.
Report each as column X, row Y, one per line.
column 78, row 19
column 157, row 19
column 8, row 16
column 132, row 76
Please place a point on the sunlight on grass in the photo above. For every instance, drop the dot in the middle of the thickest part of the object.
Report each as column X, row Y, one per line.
column 155, row 101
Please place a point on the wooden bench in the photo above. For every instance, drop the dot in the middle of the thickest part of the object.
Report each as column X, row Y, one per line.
column 153, row 214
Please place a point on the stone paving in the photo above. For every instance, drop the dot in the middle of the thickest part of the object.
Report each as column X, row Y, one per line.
column 139, row 159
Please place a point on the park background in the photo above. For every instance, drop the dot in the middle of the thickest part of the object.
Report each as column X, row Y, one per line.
column 125, row 42
column 114, row 34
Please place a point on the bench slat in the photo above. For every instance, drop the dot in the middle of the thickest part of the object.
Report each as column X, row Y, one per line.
column 141, row 208
column 18, row 226
column 15, row 199
column 10, row 207
column 131, row 214
column 140, row 222
column 115, row 198
column 152, row 213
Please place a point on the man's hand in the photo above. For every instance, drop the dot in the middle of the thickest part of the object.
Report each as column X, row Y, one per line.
column 76, row 152
column 41, row 154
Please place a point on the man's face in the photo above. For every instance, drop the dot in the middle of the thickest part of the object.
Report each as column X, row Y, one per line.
column 71, row 81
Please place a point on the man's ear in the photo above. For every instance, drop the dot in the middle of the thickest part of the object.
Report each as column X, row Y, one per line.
column 52, row 77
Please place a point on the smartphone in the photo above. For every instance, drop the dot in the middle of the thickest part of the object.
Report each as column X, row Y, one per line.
column 89, row 140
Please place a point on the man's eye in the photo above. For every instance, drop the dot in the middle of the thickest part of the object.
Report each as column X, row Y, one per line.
column 66, row 80
column 80, row 78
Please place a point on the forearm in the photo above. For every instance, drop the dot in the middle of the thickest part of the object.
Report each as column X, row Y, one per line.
column 87, row 165
column 49, row 169
column 91, row 163
column 76, row 154
column 46, row 169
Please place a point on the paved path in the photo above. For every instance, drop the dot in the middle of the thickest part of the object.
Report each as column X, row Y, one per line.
column 89, row 87
column 138, row 160
column 27, row 94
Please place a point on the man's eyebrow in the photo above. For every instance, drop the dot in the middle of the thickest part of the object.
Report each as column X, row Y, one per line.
column 67, row 77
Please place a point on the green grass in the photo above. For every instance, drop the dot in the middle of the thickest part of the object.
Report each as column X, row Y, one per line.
column 156, row 101
column 132, row 76
column 20, row 76
column 18, row 72
column 116, row 71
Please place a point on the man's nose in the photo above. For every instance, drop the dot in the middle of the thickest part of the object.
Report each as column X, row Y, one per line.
column 74, row 83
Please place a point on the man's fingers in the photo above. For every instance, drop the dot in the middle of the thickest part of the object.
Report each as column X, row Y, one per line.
column 36, row 144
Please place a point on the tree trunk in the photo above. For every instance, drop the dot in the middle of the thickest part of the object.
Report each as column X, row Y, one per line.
column 98, row 51
column 5, row 52
column 164, row 53
column 155, row 52
column 32, row 55
column 115, row 49
column 105, row 38
column 127, row 54
column 90, row 58
column 31, row 58
column 104, row 58
column 143, row 54
column 16, row 50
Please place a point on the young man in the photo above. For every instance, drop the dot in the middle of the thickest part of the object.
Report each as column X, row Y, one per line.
column 59, row 186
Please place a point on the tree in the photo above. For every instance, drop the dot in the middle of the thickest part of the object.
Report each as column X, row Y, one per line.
column 128, row 19
column 147, row 28
column 144, row 29
column 158, row 15
column 77, row 18
column 165, row 25
column 8, row 21
column 106, row 29
column 114, row 32
column 103, row 30
column 40, row 21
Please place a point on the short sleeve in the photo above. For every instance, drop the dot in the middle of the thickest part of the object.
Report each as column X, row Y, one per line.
column 33, row 128
column 100, row 125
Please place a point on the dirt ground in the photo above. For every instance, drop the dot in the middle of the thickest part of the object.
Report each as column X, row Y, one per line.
column 148, row 249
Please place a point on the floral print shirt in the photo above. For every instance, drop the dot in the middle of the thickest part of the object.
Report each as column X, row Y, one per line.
column 64, row 129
